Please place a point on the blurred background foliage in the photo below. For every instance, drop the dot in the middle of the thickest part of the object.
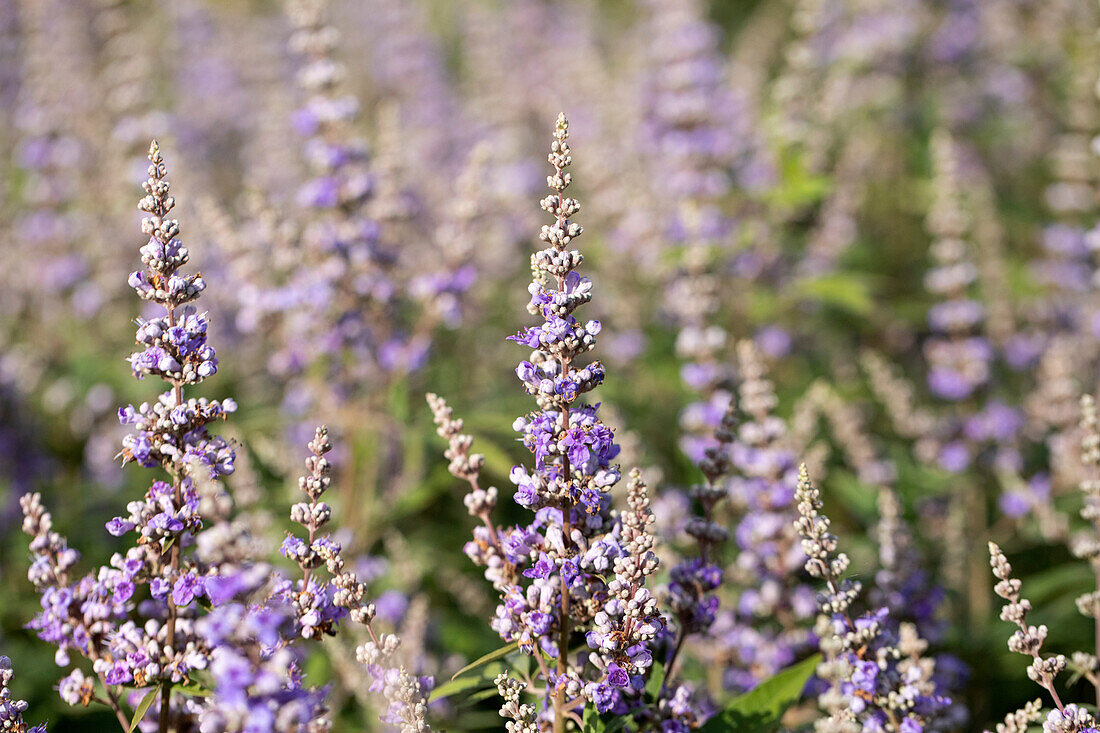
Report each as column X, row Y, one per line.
column 395, row 498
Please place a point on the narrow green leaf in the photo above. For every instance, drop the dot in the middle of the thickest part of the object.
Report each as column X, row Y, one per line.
column 490, row 657
column 455, row 686
column 656, row 680
column 476, row 697
column 143, row 707
column 759, row 710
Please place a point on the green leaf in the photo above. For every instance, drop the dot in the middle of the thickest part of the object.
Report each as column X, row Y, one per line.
column 195, row 689
column 455, row 686
column 854, row 494
column 143, row 707
column 759, row 710
column 617, row 724
column 798, row 186
column 656, row 680
column 490, row 657
column 476, row 697
column 590, row 720
column 844, row 291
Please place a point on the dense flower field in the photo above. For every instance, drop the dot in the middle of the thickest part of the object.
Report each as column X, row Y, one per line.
column 780, row 414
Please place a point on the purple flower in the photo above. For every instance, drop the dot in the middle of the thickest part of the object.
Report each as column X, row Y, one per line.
column 910, row 725
column 186, row 588
column 119, row 526
column 1015, row 504
column 617, row 676
column 541, row 569
column 118, row 674
column 124, row 590
column 221, row 589
column 540, row 622
column 166, row 523
column 159, row 588
column 603, row 697
column 954, row 457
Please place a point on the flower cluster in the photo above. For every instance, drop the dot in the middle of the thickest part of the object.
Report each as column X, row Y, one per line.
column 1028, row 640
column 171, row 433
column 685, row 95
column 486, row 548
column 693, row 580
column 876, row 680
column 11, row 711
column 91, row 616
column 959, row 360
column 257, row 675
column 630, row 617
column 352, row 286
column 768, row 566
column 573, row 452
column 579, row 567
column 316, row 607
column 902, row 585
column 520, row 717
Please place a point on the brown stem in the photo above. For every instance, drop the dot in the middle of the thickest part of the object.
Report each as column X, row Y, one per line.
column 112, row 697
column 671, row 664
column 560, row 708
column 116, row 706
column 1049, row 684
column 567, row 532
column 563, row 637
column 488, row 522
column 170, row 628
column 1047, row 681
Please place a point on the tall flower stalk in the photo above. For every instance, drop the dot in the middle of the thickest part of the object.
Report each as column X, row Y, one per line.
column 578, row 568
column 765, row 627
column 91, row 616
column 172, row 434
column 184, row 598
column 572, row 448
column 877, row 679
column 320, row 605
column 1028, row 640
